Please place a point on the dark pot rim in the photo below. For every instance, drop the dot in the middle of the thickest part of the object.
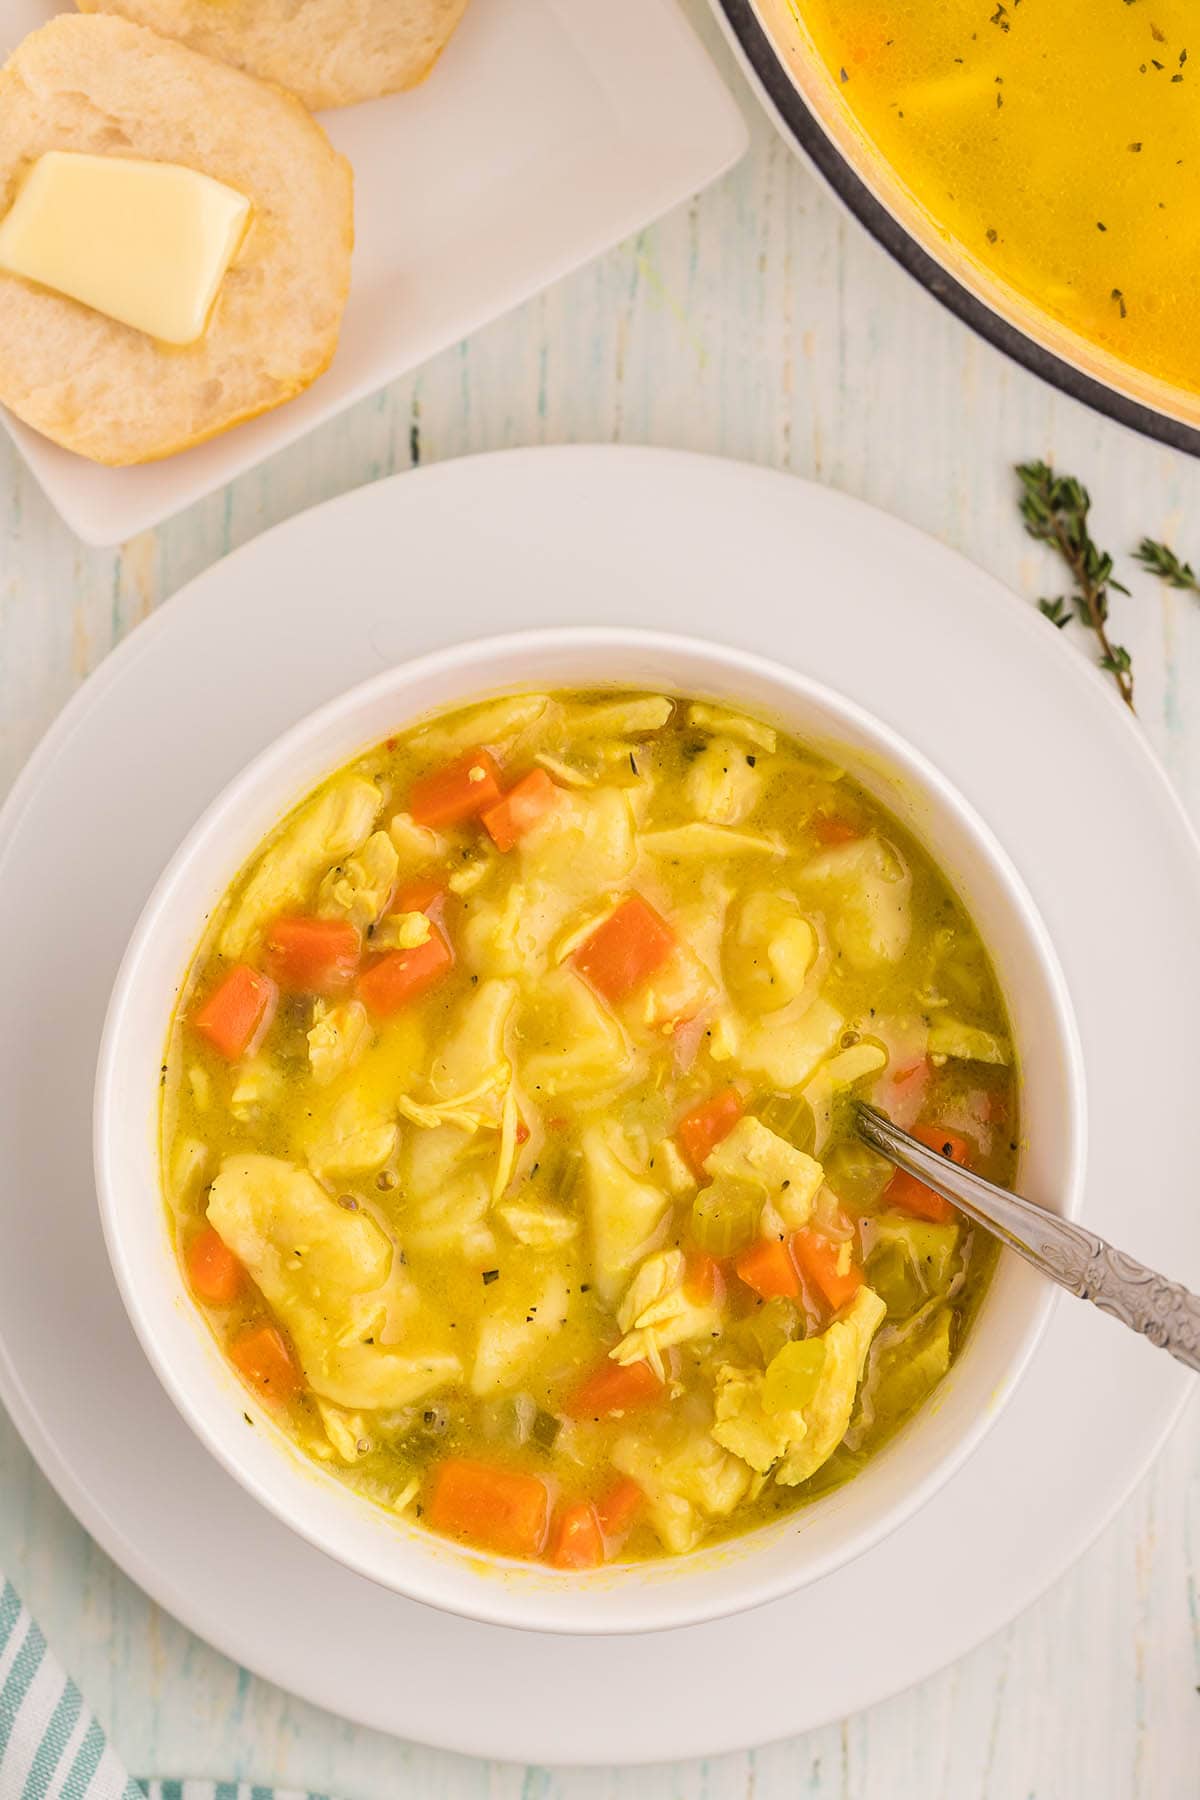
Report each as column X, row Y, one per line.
column 810, row 135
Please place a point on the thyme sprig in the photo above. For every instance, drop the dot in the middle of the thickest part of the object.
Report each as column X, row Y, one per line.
column 1055, row 509
column 1162, row 561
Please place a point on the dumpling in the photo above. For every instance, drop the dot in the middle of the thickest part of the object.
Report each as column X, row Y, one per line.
column 625, row 1210
column 758, row 1157
column 787, row 1048
column 334, row 825
column 721, row 786
column 452, row 1217
column 357, row 1139
column 872, row 887
column 538, row 1224
column 582, row 845
column 329, row 1274
column 770, row 949
column 474, row 1044
column 516, row 1328
column 685, row 1486
column 571, row 1044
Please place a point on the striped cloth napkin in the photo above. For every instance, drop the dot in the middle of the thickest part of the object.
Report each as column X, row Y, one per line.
column 51, row 1745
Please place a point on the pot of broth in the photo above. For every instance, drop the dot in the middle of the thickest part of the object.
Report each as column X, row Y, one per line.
column 1037, row 169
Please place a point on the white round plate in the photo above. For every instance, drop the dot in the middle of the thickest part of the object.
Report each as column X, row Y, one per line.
column 937, row 649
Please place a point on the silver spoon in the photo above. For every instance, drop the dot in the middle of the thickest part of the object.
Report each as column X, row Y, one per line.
column 1169, row 1315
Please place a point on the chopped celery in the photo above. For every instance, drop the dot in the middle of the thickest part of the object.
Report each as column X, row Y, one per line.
column 911, row 1260
column 791, row 1380
column 766, row 1330
column 931, row 1247
column 790, row 1116
column 950, row 1037
column 967, row 975
column 895, row 1280
column 857, row 1176
column 725, row 1216
column 910, row 1368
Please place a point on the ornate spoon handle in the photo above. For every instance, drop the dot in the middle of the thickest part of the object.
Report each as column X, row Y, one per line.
column 1162, row 1310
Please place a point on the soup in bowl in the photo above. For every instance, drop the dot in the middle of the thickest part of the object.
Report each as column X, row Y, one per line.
column 494, row 1209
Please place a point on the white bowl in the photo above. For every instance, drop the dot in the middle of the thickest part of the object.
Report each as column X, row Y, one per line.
column 395, row 1552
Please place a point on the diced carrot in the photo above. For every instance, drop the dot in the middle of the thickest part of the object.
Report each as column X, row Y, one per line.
column 619, row 1507
column 404, row 975
column 767, row 1267
column 704, row 1279
column 832, row 831
column 522, row 1132
column 913, row 1196
column 263, row 1356
column 577, row 1541
column 700, row 1131
column 614, row 1387
column 498, row 1509
column 625, row 950
column 817, row 1259
column 237, row 1013
column 520, row 809
column 304, row 955
column 421, row 894
column 214, row 1271
column 461, row 791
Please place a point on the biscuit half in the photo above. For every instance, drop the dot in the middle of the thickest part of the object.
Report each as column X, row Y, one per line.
column 329, row 52
column 105, row 390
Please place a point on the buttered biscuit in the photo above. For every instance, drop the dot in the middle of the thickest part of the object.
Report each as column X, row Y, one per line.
column 113, row 392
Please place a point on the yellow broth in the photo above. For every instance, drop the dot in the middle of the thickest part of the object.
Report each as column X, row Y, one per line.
column 1059, row 144
column 567, row 1248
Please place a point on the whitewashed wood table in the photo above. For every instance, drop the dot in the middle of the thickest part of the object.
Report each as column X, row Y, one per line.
column 756, row 323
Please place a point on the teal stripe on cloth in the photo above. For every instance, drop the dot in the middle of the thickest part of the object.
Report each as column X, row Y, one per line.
column 12, row 1695
column 87, row 1761
column 49, row 1752
column 10, row 1612
column 51, row 1745
column 219, row 1790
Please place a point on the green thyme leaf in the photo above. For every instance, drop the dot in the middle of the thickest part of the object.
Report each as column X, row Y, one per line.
column 1055, row 511
column 1162, row 561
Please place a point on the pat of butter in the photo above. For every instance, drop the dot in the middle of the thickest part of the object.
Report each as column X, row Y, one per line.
column 146, row 243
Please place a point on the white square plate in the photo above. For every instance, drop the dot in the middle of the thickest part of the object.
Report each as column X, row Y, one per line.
column 550, row 130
